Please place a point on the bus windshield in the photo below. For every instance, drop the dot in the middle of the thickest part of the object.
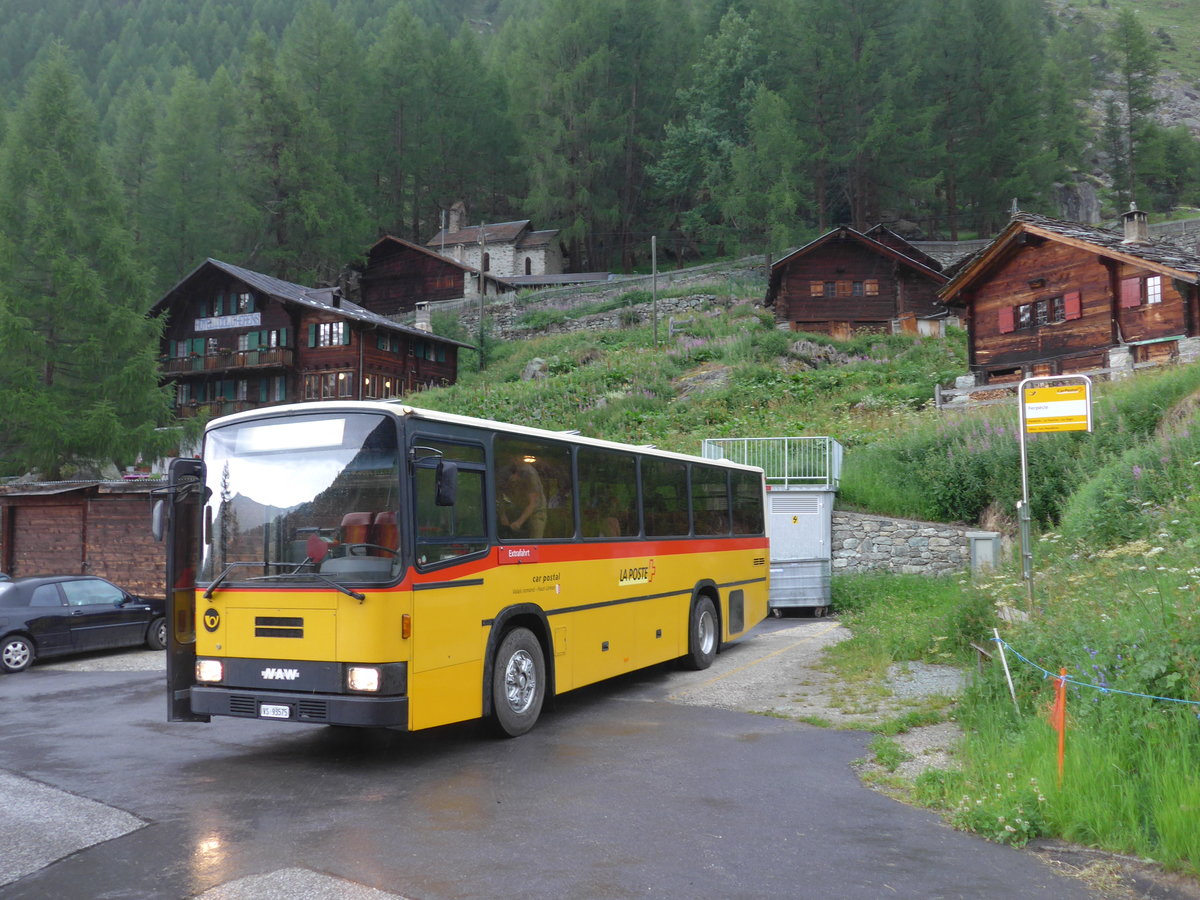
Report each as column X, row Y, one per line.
column 302, row 498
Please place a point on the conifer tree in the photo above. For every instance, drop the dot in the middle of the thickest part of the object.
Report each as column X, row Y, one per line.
column 1136, row 70
column 78, row 384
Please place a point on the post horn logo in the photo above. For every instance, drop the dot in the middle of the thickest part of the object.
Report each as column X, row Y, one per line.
column 212, row 620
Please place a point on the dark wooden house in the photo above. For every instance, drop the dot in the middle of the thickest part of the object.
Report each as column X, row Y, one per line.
column 398, row 275
column 1048, row 297
column 847, row 282
column 236, row 339
column 82, row 528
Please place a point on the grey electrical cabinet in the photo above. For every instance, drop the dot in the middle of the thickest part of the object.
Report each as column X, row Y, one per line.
column 801, row 475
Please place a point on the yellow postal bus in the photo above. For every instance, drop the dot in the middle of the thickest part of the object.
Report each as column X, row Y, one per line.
column 369, row 563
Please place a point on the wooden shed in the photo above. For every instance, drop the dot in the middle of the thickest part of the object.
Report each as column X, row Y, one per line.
column 82, row 528
column 847, row 282
column 1048, row 297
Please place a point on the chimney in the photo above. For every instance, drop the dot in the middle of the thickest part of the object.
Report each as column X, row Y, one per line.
column 1137, row 231
column 422, row 322
column 457, row 213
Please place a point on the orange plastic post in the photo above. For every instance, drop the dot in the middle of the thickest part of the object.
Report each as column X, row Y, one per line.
column 1058, row 717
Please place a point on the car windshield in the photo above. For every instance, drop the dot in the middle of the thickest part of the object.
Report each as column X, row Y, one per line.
column 301, row 498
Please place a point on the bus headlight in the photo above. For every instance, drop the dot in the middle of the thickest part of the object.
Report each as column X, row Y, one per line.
column 209, row 671
column 363, row 678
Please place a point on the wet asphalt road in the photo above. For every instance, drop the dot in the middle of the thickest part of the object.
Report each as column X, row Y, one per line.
column 619, row 792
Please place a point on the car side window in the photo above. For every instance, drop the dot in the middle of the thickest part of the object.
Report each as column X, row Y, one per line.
column 90, row 593
column 45, row 595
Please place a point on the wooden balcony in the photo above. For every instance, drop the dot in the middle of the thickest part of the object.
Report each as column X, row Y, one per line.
column 214, row 408
column 273, row 358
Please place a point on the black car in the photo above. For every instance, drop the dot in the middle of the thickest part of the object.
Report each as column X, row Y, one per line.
column 51, row 615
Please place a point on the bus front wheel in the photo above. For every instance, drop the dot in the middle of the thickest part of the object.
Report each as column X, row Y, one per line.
column 518, row 683
column 702, row 635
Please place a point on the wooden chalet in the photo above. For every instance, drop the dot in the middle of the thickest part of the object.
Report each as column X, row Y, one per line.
column 1048, row 297
column 237, row 339
column 398, row 275
column 848, row 282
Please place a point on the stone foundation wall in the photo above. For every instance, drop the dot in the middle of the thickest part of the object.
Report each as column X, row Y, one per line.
column 865, row 543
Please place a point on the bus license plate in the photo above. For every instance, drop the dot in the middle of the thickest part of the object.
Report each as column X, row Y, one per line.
column 275, row 712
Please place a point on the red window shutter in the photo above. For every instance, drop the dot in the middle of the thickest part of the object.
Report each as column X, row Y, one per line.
column 1131, row 292
column 1006, row 320
column 1073, row 305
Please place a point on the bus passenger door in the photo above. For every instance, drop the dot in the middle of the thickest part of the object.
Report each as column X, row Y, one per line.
column 449, row 594
column 178, row 516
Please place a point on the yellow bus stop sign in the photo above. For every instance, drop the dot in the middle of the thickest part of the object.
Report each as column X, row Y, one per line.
column 1065, row 407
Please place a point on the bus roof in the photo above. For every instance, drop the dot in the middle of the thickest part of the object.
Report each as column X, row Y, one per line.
column 405, row 410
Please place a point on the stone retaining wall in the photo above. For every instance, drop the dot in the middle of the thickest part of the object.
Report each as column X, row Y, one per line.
column 863, row 543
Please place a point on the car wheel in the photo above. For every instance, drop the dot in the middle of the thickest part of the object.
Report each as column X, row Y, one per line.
column 16, row 654
column 518, row 683
column 156, row 634
column 703, row 636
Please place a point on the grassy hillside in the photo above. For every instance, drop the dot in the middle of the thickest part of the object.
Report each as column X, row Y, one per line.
column 1174, row 23
column 733, row 374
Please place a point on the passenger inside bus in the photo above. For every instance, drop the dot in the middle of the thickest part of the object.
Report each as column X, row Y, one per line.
column 522, row 506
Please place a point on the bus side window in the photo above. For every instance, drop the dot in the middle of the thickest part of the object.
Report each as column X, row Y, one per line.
column 710, row 500
column 535, row 496
column 607, row 493
column 665, row 497
column 448, row 532
column 747, row 503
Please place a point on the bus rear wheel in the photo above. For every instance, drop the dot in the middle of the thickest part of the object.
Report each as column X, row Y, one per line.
column 702, row 635
column 518, row 683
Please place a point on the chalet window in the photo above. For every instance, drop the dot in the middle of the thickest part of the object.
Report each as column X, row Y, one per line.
column 1024, row 315
column 1041, row 314
column 329, row 385
column 245, row 303
column 856, row 289
column 1141, row 289
column 328, row 334
column 830, row 289
column 816, row 289
column 345, row 384
column 369, row 387
column 211, row 348
column 312, row 387
column 1154, row 289
column 1058, row 312
column 872, row 287
column 243, row 389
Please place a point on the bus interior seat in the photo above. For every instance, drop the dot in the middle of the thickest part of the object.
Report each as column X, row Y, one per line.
column 384, row 532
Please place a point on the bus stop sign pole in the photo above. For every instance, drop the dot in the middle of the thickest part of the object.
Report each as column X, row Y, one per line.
column 1047, row 403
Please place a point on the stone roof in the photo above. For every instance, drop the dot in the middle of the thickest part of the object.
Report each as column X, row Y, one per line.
column 327, row 299
column 497, row 233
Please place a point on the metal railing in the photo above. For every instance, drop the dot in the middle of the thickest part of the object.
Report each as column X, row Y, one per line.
column 786, row 461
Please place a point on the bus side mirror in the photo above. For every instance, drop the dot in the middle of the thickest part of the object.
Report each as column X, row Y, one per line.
column 158, row 519
column 447, row 483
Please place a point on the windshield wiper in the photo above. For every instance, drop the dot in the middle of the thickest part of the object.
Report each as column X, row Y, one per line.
column 329, row 581
column 341, row 587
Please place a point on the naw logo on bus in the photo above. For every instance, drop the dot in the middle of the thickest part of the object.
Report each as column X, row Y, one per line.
column 637, row 574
